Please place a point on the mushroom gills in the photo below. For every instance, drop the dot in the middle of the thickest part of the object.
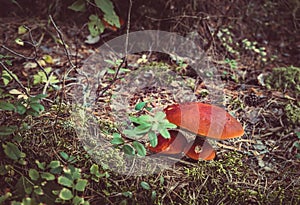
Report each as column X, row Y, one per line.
column 200, row 149
column 174, row 145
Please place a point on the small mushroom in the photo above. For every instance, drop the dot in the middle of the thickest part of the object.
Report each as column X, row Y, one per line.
column 200, row 149
column 204, row 119
column 174, row 145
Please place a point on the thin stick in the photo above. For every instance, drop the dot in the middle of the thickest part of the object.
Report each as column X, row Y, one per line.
column 126, row 52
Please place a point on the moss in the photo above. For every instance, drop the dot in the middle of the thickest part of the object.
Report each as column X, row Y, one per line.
column 292, row 113
column 285, row 78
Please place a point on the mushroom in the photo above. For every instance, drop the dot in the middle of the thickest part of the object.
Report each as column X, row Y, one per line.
column 204, row 119
column 174, row 145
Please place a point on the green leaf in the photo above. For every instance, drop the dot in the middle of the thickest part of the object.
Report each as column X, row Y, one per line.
column 129, row 133
column 65, row 194
column 152, row 138
column 161, row 180
column 95, row 25
column 127, row 194
column 37, row 97
column 65, row 181
column 112, row 19
column 94, row 169
column 19, row 41
column 145, row 185
column 20, row 108
column 38, row 190
column 153, row 195
column 165, row 133
column 77, row 200
column 127, row 149
column 54, row 164
column 140, row 148
column 145, row 119
column 41, row 165
column 34, row 174
column 48, row 176
column 6, row 106
column 4, row 197
column 12, row 151
column 159, row 116
column 106, row 6
column 7, row 78
column 7, row 130
column 64, row 155
column 117, row 140
column 135, row 120
column 22, row 29
column 169, row 125
column 142, row 129
column 37, row 107
column 78, row 5
column 81, row 184
column 76, row 173
column 140, row 106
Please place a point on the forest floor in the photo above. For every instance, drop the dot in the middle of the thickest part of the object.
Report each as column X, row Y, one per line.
column 252, row 54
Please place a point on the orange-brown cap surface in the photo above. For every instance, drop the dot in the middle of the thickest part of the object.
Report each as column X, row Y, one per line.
column 200, row 149
column 204, row 119
column 174, row 145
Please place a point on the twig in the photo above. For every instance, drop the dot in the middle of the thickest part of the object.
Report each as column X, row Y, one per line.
column 63, row 42
column 66, row 73
column 126, row 53
column 18, row 54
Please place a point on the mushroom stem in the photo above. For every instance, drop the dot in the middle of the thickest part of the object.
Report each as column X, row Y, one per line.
column 200, row 149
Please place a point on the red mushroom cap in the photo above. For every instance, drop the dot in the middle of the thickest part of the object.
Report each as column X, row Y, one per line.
column 204, row 119
column 200, row 149
column 174, row 145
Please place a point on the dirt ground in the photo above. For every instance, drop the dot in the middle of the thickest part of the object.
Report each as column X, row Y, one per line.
column 255, row 48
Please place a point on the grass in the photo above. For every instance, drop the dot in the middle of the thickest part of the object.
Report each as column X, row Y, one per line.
column 231, row 178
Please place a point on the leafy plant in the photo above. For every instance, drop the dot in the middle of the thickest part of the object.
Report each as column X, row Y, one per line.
column 72, row 183
column 97, row 25
column 231, row 62
column 41, row 77
column 284, row 78
column 253, row 46
column 144, row 125
column 13, row 152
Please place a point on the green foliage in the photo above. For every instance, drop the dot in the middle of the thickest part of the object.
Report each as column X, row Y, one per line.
column 285, row 78
column 144, row 125
column 233, row 47
column 292, row 113
column 14, row 153
column 147, row 124
column 226, row 37
column 145, row 185
column 7, row 130
column 79, row 5
column 232, row 63
column 62, row 184
column 41, row 77
column 96, row 25
column 253, row 46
